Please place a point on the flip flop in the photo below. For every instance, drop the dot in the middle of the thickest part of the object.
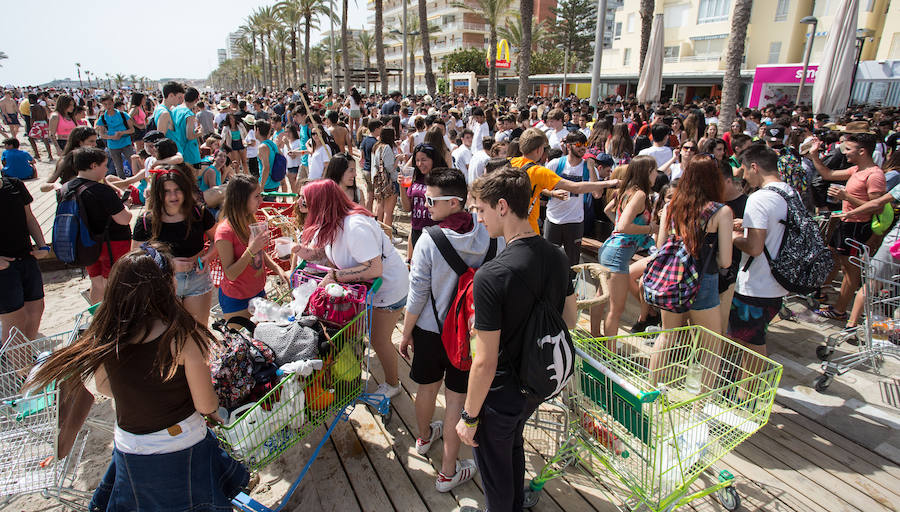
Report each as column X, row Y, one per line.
column 829, row 312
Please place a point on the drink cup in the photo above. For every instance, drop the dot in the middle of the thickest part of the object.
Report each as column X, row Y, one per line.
column 258, row 228
column 406, row 176
column 283, row 247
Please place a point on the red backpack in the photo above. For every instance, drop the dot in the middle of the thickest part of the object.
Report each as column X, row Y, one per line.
column 456, row 327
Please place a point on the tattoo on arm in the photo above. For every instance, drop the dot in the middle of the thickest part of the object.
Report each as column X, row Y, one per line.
column 349, row 274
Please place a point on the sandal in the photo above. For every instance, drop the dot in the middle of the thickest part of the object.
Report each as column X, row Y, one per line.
column 829, row 312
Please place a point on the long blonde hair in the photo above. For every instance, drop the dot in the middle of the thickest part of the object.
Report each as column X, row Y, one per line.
column 237, row 194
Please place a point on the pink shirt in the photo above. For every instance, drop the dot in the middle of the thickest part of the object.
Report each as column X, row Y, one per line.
column 861, row 185
column 253, row 279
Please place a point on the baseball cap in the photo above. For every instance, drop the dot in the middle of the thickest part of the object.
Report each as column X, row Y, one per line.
column 775, row 133
column 602, row 159
column 153, row 136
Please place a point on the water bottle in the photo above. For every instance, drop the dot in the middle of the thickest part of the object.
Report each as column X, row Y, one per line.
column 692, row 377
column 266, row 311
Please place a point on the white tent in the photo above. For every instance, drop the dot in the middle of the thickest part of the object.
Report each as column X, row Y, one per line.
column 833, row 78
column 650, row 82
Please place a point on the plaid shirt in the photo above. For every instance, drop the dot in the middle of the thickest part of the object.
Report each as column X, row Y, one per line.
column 791, row 171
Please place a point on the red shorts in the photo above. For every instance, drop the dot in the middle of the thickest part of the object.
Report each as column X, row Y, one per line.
column 102, row 266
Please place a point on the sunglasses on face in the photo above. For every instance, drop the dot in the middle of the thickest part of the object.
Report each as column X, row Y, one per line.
column 689, row 148
column 576, row 144
column 429, row 201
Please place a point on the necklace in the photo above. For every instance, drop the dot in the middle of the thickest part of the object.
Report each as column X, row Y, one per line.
column 518, row 235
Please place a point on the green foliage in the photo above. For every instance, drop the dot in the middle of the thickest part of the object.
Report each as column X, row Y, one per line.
column 464, row 61
column 573, row 28
column 443, row 86
column 547, row 61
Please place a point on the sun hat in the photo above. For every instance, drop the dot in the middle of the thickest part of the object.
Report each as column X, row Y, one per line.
column 249, row 119
column 224, row 104
column 857, row 127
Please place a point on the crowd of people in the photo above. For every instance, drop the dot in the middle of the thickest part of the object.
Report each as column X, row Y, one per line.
column 511, row 190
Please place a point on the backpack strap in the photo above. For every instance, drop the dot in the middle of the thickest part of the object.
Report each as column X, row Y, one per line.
column 534, row 201
column 447, row 251
column 560, row 165
column 784, row 195
column 84, row 218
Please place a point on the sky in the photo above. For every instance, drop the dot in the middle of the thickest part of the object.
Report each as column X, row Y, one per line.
column 157, row 39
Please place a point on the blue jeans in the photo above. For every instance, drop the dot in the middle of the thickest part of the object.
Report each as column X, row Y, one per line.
column 202, row 478
column 708, row 294
column 192, row 283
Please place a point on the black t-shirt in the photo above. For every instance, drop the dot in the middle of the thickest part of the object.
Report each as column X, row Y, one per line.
column 728, row 276
column 819, row 185
column 503, row 302
column 517, row 131
column 15, row 242
column 366, row 147
column 101, row 202
column 389, row 107
column 184, row 244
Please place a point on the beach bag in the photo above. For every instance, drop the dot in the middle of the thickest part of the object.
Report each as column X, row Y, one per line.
column 73, row 242
column 337, row 311
column 381, row 182
column 456, row 328
column 279, row 165
column 883, row 220
column 237, row 365
column 803, row 262
column 672, row 278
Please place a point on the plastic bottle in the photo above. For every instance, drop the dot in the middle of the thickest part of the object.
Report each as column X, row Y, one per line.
column 301, row 296
column 266, row 311
column 692, row 377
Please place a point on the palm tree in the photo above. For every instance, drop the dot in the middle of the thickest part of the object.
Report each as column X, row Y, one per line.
column 492, row 11
column 513, row 31
column 78, row 67
column 290, row 14
column 646, row 11
column 248, row 34
column 413, row 38
column 142, row 79
column 119, row 78
column 364, row 45
column 108, row 81
column 88, row 75
column 311, row 10
column 318, row 58
column 133, row 78
column 430, row 83
column 379, row 45
column 731, row 82
column 526, row 8
column 345, row 43
column 268, row 23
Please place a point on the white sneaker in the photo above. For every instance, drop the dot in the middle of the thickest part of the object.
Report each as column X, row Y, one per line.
column 437, row 431
column 465, row 470
column 387, row 390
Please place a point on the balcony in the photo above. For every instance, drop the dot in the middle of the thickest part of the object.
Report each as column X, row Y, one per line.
column 693, row 58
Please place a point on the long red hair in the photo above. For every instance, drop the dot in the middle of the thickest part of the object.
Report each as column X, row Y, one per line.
column 328, row 206
column 701, row 183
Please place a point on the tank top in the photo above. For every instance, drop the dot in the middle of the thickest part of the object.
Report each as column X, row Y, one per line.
column 144, row 403
column 64, row 127
column 235, row 135
column 140, row 117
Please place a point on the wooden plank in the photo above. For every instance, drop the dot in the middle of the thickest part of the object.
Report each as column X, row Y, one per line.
column 352, row 455
column 755, row 494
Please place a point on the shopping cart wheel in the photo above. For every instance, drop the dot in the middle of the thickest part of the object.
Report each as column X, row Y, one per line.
column 531, row 497
column 386, row 417
column 729, row 498
column 822, row 382
column 823, row 352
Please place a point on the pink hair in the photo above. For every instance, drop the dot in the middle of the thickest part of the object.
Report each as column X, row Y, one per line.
column 328, row 206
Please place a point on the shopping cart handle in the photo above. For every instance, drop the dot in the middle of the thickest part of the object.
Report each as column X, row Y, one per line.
column 93, row 309
column 376, row 284
column 248, row 504
column 279, row 194
column 641, row 396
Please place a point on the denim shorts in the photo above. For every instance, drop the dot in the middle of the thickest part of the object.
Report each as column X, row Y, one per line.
column 617, row 257
column 231, row 305
column 395, row 306
column 192, row 283
column 708, row 294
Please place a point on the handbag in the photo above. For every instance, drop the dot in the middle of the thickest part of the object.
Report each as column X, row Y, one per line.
column 382, row 184
column 338, row 311
column 238, row 364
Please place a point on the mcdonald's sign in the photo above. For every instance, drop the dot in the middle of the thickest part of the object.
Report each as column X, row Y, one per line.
column 503, row 60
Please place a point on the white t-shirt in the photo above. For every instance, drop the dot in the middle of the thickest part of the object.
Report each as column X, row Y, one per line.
column 480, row 132
column 571, row 210
column 476, row 165
column 317, row 162
column 252, row 151
column 660, row 154
column 293, row 146
column 555, row 137
column 765, row 210
column 461, row 158
column 675, row 171
column 362, row 240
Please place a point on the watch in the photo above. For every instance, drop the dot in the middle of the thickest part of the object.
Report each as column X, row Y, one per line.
column 469, row 420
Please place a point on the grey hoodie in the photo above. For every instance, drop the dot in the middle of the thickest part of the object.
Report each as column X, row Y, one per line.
column 429, row 272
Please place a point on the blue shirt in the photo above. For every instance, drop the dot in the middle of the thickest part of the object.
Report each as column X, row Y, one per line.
column 170, row 133
column 201, row 182
column 269, row 184
column 16, row 164
column 303, row 130
column 115, row 123
column 189, row 148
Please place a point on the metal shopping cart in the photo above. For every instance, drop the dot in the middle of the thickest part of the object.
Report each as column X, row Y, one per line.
column 647, row 423
column 298, row 405
column 30, row 458
column 879, row 335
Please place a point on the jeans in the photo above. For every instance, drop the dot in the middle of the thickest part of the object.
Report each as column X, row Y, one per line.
column 192, row 283
column 118, row 157
column 500, row 454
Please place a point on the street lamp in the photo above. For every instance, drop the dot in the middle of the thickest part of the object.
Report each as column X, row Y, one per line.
column 861, row 35
column 403, row 50
column 810, row 37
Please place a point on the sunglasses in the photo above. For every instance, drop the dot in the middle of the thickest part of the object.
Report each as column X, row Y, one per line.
column 577, row 144
column 689, row 148
column 429, row 201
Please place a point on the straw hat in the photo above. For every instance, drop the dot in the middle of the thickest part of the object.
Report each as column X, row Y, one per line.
column 224, row 104
column 249, row 119
column 857, row 127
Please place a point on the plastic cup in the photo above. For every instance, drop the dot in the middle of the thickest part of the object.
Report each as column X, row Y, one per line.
column 283, row 247
column 406, row 176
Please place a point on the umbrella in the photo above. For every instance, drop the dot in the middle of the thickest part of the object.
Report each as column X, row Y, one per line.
column 831, row 89
column 650, row 82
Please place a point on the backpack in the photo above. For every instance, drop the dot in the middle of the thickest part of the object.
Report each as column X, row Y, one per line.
column 102, row 119
column 238, row 364
column 547, row 360
column 587, row 199
column 457, row 325
column 279, row 165
column 73, row 241
column 803, row 262
column 672, row 278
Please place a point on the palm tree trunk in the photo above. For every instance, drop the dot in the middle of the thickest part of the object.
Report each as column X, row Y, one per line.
column 283, row 66
column 368, row 63
column 293, row 54
column 647, row 8
column 345, row 45
column 430, row 82
column 527, row 11
column 306, row 35
column 379, row 46
column 492, row 72
column 731, row 82
column 564, row 92
column 411, row 85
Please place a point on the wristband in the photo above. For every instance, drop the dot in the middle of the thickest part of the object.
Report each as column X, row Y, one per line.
column 44, row 248
column 470, row 421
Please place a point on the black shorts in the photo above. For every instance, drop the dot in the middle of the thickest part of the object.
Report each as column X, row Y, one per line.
column 749, row 318
column 20, row 283
column 857, row 231
column 430, row 363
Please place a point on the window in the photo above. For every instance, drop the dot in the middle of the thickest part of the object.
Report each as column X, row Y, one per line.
column 774, row 52
column 781, row 11
column 618, row 30
column 675, row 16
column 626, row 57
column 709, row 47
column 823, row 7
column 711, row 11
column 671, row 52
column 630, row 24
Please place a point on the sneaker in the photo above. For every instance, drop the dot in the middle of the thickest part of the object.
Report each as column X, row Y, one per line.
column 387, row 390
column 437, row 431
column 465, row 470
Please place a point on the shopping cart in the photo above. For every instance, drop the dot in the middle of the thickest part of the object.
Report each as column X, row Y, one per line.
column 298, row 405
column 879, row 335
column 30, row 461
column 646, row 435
column 827, row 223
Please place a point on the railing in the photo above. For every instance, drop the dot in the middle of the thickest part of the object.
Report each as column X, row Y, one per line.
column 693, row 58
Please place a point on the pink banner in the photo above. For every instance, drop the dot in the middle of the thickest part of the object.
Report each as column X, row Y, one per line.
column 768, row 76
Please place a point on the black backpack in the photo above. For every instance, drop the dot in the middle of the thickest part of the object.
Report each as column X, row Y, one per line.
column 547, row 360
column 803, row 262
